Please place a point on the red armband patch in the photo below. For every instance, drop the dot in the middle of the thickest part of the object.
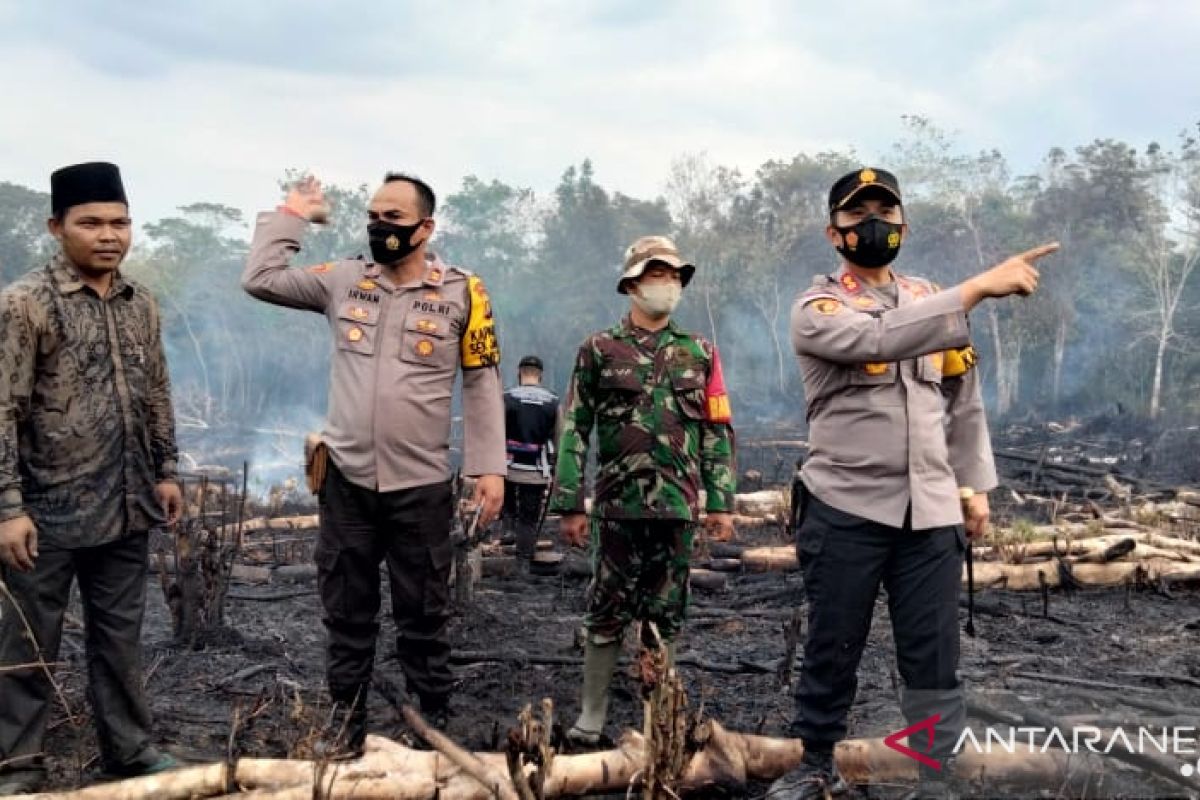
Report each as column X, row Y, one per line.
column 716, row 399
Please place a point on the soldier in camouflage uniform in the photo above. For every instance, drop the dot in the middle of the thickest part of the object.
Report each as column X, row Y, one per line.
column 655, row 396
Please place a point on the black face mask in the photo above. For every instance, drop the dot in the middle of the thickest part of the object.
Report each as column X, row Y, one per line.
column 390, row 243
column 872, row 242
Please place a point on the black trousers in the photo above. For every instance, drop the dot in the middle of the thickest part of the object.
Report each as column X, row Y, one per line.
column 112, row 586
column 523, row 507
column 845, row 559
column 409, row 528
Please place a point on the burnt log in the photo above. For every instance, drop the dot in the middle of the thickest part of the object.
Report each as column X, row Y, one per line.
column 724, row 760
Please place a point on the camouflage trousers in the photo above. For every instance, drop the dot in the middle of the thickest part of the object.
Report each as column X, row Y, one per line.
column 639, row 572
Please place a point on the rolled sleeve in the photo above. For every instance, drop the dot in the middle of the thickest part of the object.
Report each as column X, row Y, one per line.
column 841, row 335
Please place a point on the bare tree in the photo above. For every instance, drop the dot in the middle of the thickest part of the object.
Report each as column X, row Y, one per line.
column 1167, row 250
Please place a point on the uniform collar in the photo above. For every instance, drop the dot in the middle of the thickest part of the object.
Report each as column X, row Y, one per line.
column 67, row 281
column 627, row 328
column 435, row 270
column 852, row 284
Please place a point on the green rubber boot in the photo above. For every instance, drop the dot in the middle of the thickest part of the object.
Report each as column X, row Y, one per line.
column 599, row 661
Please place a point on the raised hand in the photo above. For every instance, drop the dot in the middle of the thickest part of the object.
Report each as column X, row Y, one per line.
column 307, row 200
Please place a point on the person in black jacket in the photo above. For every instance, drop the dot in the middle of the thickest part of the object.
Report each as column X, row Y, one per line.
column 530, row 419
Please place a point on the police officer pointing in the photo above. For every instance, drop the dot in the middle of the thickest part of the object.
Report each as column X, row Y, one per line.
column 897, row 437
column 403, row 325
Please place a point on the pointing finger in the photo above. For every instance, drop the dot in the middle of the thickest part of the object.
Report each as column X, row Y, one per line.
column 1039, row 252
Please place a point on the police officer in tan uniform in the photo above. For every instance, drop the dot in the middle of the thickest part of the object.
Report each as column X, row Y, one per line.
column 899, row 448
column 403, row 324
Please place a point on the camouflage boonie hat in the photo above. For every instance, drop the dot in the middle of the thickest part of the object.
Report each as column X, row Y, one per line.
column 649, row 249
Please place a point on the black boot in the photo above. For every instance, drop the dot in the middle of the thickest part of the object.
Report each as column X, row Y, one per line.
column 345, row 732
column 815, row 778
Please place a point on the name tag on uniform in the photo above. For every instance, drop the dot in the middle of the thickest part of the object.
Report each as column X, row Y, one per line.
column 363, row 295
column 432, row 307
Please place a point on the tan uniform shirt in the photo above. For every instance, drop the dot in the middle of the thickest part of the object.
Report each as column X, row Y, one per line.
column 397, row 351
column 885, row 428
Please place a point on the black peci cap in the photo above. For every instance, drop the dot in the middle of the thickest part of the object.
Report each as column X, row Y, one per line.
column 93, row 182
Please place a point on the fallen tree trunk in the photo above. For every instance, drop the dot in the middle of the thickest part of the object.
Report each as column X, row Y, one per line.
column 1020, row 577
column 239, row 572
column 1025, row 577
column 727, row 759
column 1100, row 550
column 304, row 522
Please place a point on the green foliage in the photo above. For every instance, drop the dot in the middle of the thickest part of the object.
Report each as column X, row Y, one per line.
column 1113, row 327
column 24, row 241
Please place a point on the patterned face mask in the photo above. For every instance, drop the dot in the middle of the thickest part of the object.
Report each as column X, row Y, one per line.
column 657, row 300
column 389, row 242
column 872, row 242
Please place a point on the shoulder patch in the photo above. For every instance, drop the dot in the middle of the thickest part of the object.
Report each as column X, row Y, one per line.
column 919, row 287
column 826, row 304
column 479, row 345
column 716, row 397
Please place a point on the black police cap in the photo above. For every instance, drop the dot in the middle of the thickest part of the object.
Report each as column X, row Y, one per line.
column 854, row 183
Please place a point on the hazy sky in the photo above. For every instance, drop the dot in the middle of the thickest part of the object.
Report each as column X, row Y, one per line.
column 213, row 101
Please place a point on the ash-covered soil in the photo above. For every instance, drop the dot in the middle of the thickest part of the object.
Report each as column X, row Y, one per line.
column 260, row 690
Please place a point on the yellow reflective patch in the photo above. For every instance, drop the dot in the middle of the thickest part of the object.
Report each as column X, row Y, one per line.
column 719, row 409
column 958, row 361
column 479, row 345
column 875, row 368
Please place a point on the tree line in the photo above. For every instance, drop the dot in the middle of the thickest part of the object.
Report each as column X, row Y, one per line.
column 1113, row 329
